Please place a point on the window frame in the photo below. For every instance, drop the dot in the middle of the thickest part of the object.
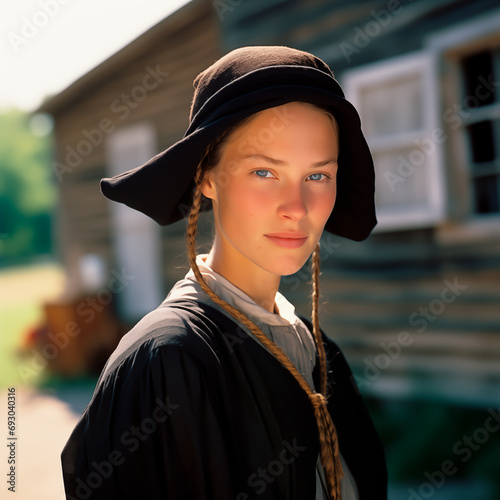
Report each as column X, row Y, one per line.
column 449, row 47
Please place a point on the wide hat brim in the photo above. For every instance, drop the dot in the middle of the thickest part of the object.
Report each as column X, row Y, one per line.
column 162, row 188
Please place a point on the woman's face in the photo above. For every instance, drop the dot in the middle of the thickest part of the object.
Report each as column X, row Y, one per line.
column 274, row 187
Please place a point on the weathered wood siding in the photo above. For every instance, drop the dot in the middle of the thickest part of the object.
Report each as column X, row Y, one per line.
column 174, row 52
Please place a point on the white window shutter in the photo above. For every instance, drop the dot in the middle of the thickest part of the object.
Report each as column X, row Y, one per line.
column 396, row 100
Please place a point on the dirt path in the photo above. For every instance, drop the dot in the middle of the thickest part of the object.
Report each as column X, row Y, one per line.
column 44, row 422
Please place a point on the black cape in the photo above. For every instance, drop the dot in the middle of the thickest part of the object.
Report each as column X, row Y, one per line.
column 189, row 406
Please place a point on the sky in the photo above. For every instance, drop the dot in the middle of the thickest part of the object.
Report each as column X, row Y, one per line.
column 45, row 45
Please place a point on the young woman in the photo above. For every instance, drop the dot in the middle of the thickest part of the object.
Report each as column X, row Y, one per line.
column 222, row 392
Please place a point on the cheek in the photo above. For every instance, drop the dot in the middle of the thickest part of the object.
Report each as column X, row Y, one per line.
column 322, row 206
column 239, row 200
column 238, row 209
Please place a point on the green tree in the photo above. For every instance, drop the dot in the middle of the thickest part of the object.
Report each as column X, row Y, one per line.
column 27, row 191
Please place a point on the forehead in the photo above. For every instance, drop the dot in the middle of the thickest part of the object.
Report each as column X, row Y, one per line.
column 294, row 133
column 272, row 122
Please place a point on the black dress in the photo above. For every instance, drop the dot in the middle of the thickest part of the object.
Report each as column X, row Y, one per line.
column 190, row 407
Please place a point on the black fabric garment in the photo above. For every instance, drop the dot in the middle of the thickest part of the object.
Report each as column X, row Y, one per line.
column 190, row 407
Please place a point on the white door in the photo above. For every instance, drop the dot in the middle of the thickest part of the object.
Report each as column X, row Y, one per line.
column 136, row 237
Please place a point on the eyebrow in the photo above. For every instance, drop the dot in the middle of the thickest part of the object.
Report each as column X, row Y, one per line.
column 282, row 163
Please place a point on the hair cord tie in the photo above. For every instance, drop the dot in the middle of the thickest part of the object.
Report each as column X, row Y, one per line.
column 329, row 453
column 329, row 448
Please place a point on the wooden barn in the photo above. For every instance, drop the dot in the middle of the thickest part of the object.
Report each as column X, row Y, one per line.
column 416, row 307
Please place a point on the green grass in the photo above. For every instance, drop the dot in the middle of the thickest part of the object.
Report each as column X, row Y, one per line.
column 14, row 321
column 22, row 293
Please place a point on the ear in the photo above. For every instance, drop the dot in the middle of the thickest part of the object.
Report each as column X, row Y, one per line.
column 207, row 186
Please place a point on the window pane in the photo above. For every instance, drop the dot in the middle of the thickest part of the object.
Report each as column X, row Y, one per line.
column 477, row 70
column 400, row 178
column 487, row 195
column 392, row 107
column 481, row 142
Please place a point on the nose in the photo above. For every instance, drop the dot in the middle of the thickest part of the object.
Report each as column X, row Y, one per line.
column 293, row 204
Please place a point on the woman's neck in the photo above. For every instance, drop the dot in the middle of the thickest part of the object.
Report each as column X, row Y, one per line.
column 259, row 285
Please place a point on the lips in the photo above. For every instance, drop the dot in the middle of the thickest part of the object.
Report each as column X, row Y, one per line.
column 287, row 240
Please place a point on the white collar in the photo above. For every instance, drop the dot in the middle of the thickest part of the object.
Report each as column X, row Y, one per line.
column 239, row 299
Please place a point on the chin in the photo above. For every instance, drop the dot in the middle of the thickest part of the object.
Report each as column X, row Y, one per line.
column 287, row 266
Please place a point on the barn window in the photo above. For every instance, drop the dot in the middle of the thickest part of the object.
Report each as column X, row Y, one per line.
column 396, row 100
column 480, row 71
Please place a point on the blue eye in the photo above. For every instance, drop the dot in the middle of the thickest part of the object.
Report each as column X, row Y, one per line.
column 317, row 177
column 262, row 173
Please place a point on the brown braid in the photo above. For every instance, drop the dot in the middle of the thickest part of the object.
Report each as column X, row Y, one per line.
column 315, row 317
column 329, row 453
column 330, row 432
